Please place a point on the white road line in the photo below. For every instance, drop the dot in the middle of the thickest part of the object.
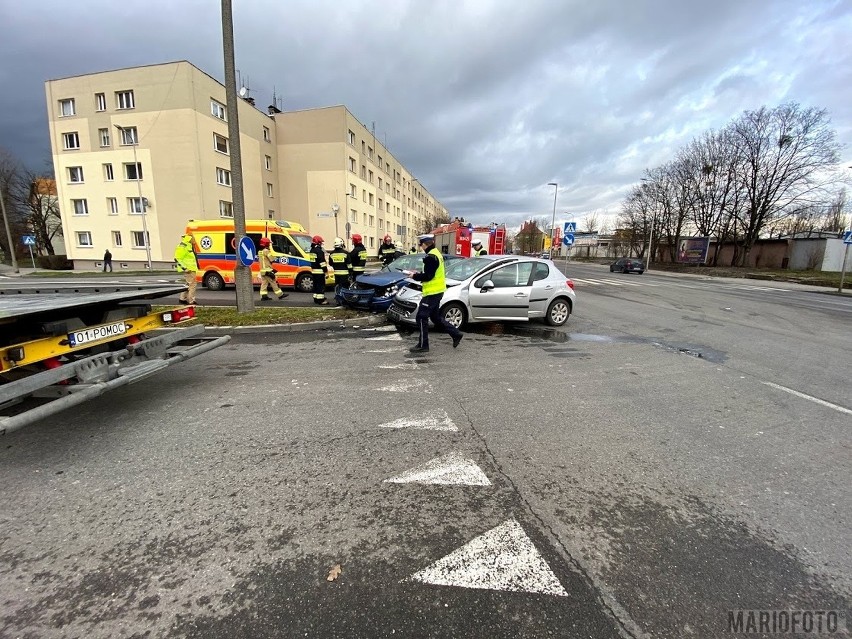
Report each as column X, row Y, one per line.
column 504, row 558
column 436, row 420
column 404, row 366
column 386, row 350
column 816, row 400
column 407, row 385
column 396, row 337
column 452, row 469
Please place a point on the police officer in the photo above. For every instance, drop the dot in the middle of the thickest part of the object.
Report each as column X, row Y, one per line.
column 267, row 273
column 357, row 257
column 318, row 269
column 434, row 285
column 339, row 261
column 387, row 251
column 187, row 264
column 478, row 249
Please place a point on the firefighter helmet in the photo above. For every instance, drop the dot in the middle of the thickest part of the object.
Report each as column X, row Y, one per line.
column 264, row 242
column 316, row 239
column 356, row 238
column 339, row 243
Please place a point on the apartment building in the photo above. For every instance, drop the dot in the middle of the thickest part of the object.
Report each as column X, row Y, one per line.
column 145, row 149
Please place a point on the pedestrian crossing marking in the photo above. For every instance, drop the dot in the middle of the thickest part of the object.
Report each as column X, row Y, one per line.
column 436, row 420
column 504, row 558
column 396, row 337
column 407, row 385
column 403, row 366
column 452, row 469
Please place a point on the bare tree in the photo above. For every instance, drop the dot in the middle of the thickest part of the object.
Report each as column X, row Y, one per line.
column 591, row 223
column 39, row 203
column 530, row 238
column 11, row 182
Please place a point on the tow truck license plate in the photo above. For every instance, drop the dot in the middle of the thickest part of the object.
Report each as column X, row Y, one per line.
column 97, row 333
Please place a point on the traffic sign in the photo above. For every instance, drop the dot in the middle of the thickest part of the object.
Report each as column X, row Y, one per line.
column 28, row 240
column 570, row 227
column 847, row 237
column 246, row 251
column 568, row 239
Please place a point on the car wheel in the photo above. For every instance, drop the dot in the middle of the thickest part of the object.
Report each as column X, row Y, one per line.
column 558, row 312
column 304, row 283
column 624, row 271
column 454, row 314
column 640, row 272
column 213, row 281
column 611, row 269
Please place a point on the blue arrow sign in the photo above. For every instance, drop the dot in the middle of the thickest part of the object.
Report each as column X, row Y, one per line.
column 847, row 237
column 570, row 227
column 246, row 251
column 568, row 239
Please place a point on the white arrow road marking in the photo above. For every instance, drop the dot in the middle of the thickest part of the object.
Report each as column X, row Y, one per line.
column 504, row 558
column 407, row 385
column 395, row 337
column 436, row 420
column 447, row 470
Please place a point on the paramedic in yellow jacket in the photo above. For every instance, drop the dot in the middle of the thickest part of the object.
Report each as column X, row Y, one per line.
column 267, row 273
column 188, row 265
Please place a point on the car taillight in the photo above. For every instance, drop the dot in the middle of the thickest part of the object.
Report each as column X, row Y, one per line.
column 570, row 284
column 179, row 314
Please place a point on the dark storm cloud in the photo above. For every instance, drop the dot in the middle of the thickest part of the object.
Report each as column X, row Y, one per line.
column 485, row 102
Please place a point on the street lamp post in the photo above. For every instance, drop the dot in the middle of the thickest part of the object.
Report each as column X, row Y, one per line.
column 134, row 136
column 553, row 220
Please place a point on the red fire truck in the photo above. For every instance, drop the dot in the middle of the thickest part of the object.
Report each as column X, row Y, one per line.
column 456, row 238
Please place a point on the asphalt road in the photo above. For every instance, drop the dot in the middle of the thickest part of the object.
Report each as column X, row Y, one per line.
column 678, row 450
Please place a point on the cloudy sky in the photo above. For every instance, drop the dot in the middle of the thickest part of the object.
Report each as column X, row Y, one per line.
column 484, row 101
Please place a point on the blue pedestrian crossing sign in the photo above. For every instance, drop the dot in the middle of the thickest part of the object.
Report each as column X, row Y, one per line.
column 28, row 240
column 246, row 252
column 570, row 227
column 847, row 237
column 568, row 239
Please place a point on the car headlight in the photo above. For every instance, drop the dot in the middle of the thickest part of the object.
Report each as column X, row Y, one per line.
column 391, row 290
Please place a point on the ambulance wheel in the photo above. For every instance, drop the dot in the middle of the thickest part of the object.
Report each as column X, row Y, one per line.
column 214, row 282
column 305, row 283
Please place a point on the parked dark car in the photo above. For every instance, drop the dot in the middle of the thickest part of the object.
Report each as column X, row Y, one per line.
column 628, row 265
column 375, row 291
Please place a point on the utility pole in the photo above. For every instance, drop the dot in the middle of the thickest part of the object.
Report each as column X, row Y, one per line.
column 8, row 233
column 242, row 274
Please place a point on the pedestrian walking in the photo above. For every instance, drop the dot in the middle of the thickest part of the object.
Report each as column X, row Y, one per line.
column 318, row 269
column 187, row 264
column 267, row 273
column 357, row 257
column 107, row 261
column 338, row 259
column 387, row 250
column 478, row 249
column 434, row 285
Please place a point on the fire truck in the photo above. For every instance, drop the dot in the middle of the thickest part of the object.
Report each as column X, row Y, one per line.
column 61, row 345
column 457, row 237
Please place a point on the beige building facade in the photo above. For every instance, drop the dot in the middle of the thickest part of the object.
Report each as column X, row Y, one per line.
column 147, row 147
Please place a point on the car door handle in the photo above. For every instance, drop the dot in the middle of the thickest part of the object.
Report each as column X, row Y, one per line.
column 520, row 294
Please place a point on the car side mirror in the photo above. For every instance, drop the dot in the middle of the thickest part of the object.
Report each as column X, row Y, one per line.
column 487, row 285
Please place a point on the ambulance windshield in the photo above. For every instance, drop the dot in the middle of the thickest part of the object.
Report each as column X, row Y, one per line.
column 303, row 240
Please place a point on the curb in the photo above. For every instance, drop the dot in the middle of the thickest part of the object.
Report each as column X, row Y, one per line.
column 370, row 320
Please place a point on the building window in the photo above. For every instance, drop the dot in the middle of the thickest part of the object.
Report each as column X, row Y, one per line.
column 129, row 136
column 269, row 192
column 380, row 163
column 353, row 191
column 363, row 172
column 135, row 205
column 387, row 169
column 372, row 242
column 223, row 176
column 112, row 206
column 84, row 238
column 66, row 107
column 220, row 143
column 370, row 177
column 226, row 209
column 116, row 239
column 268, row 162
column 372, row 199
column 103, row 136
column 372, row 220
column 133, row 171
column 352, row 138
column 370, row 152
column 352, row 165
column 218, row 110
column 271, row 214
column 364, row 195
column 81, row 207
column 354, row 215
column 266, row 136
column 380, row 184
column 124, row 100
column 72, row 141
column 382, row 225
column 108, row 173
column 100, row 101
column 75, row 174
column 138, row 239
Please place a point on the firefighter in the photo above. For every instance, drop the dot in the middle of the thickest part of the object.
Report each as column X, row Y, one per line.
column 412, row 250
column 339, row 261
column 318, row 270
column 478, row 249
column 267, row 273
column 357, row 257
column 187, row 263
column 387, row 251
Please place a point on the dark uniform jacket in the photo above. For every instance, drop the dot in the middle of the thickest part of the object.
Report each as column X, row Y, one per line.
column 357, row 260
column 339, row 260
column 387, row 253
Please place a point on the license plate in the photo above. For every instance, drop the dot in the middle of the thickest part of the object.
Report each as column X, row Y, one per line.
column 394, row 314
column 97, row 333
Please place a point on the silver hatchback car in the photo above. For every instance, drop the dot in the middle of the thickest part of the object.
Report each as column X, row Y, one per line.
column 495, row 288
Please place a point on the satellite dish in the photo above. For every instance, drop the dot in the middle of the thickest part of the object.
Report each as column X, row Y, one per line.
column 243, row 92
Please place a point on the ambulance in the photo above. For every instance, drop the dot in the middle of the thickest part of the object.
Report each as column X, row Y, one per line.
column 216, row 248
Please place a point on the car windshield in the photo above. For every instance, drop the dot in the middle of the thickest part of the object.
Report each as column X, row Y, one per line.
column 463, row 269
column 411, row 262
